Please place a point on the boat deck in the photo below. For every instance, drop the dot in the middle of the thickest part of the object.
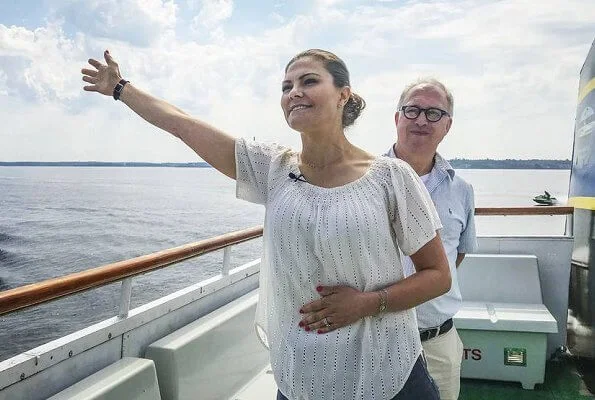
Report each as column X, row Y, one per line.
column 190, row 327
column 566, row 378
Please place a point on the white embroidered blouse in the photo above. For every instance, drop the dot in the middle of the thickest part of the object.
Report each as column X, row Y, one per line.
column 346, row 235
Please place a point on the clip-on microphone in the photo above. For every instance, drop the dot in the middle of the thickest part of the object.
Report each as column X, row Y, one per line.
column 296, row 177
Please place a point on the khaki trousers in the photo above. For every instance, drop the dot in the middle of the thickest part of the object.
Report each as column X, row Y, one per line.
column 444, row 354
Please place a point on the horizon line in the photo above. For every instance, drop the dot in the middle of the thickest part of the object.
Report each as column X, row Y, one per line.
column 204, row 162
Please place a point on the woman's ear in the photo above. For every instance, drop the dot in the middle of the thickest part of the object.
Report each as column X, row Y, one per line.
column 345, row 95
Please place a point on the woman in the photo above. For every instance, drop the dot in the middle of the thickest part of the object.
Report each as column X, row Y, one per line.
column 335, row 215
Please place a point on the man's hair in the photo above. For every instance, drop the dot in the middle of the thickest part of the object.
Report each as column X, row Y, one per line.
column 428, row 82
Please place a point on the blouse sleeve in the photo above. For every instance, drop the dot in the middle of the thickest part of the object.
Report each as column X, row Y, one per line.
column 415, row 219
column 253, row 166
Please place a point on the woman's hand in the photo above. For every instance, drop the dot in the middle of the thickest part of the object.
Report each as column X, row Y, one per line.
column 104, row 78
column 338, row 306
column 212, row 145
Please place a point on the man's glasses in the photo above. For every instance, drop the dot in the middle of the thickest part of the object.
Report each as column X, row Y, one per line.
column 433, row 114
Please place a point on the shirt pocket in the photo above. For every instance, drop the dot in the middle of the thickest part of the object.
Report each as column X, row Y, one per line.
column 453, row 224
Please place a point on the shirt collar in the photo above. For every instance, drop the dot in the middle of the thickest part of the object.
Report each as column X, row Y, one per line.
column 440, row 163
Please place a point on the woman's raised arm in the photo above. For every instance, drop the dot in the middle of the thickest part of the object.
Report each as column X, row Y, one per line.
column 212, row 145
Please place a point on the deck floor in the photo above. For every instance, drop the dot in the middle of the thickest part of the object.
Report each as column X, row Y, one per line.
column 565, row 379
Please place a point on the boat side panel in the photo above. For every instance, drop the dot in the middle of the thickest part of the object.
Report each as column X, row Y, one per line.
column 215, row 355
column 136, row 340
column 128, row 378
column 66, row 373
column 78, row 351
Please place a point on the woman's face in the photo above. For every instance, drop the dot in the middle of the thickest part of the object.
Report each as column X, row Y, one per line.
column 310, row 100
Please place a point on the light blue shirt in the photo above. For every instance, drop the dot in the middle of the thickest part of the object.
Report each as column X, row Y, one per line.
column 453, row 198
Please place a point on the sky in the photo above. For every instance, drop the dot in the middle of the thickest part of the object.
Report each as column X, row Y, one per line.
column 512, row 65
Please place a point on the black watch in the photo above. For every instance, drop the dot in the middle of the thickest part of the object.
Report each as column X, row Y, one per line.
column 119, row 87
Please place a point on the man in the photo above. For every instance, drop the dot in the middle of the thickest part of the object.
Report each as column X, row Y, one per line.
column 423, row 118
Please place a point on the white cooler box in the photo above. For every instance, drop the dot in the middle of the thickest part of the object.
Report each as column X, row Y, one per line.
column 503, row 323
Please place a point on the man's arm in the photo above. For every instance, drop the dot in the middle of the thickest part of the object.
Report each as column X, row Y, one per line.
column 460, row 258
column 468, row 237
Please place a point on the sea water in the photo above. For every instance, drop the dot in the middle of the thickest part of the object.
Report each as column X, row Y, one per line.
column 59, row 220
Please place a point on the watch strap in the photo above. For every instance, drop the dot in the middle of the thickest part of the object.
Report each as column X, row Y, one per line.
column 119, row 87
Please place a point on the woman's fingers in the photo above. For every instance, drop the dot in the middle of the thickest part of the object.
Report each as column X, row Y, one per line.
column 317, row 322
column 90, row 72
column 313, row 318
column 324, row 325
column 326, row 329
column 108, row 58
column 103, row 77
column 328, row 290
column 95, row 63
column 313, row 306
column 89, row 79
column 340, row 305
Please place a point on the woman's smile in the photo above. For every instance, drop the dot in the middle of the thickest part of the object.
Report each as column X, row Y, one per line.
column 298, row 107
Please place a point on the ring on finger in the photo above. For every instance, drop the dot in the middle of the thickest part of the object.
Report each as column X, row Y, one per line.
column 326, row 322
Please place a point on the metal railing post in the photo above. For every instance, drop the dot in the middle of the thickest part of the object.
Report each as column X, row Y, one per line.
column 125, row 295
column 226, row 261
column 569, row 230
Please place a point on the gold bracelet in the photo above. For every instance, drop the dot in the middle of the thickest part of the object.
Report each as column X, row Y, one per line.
column 383, row 293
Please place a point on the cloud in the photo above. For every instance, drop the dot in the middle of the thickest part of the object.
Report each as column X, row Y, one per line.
column 238, row 77
column 514, row 97
column 208, row 22
column 513, row 68
column 213, row 12
column 276, row 17
column 52, row 131
column 3, row 83
column 328, row 3
column 39, row 63
column 512, row 26
column 138, row 22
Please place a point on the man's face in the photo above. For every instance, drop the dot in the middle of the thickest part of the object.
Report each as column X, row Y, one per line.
column 419, row 134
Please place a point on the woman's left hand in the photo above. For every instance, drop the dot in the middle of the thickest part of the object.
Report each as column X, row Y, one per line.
column 338, row 306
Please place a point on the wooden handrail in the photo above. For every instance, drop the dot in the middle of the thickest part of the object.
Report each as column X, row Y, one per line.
column 533, row 210
column 41, row 292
